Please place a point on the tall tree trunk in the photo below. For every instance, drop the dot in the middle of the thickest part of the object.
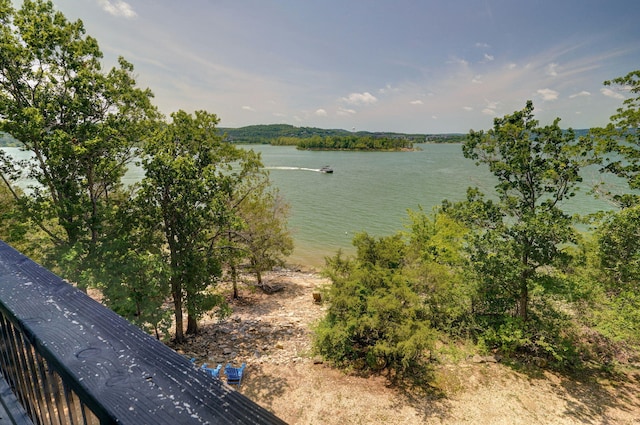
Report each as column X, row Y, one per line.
column 176, row 292
column 192, row 325
column 523, row 302
column 234, row 279
column 523, row 298
column 192, row 322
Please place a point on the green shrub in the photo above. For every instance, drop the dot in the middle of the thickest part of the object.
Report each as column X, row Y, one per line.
column 375, row 319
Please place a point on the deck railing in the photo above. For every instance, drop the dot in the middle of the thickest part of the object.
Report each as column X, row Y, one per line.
column 70, row 360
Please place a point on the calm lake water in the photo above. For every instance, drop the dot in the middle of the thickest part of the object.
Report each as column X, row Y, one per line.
column 370, row 191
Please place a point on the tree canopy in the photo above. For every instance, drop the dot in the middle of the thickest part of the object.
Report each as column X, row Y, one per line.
column 537, row 168
column 617, row 145
column 190, row 173
column 78, row 122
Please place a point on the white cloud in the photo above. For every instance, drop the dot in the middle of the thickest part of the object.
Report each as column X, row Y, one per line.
column 467, row 108
column 247, row 108
column 345, row 112
column 321, row 112
column 512, row 66
column 388, row 89
column 552, row 69
column 492, row 104
column 488, row 57
column 434, row 117
column 118, row 8
column 477, row 79
column 416, row 102
column 581, row 94
column 491, row 107
column 610, row 93
column 548, row 94
column 482, row 45
column 458, row 61
column 365, row 98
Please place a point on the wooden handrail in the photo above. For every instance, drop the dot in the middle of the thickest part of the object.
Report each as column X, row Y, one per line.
column 69, row 358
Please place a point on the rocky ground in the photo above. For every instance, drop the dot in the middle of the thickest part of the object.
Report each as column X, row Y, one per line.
column 271, row 333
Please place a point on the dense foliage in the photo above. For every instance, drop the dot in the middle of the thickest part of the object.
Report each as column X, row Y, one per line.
column 78, row 122
column 376, row 318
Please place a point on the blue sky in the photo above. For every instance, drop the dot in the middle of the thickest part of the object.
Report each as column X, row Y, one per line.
column 378, row 65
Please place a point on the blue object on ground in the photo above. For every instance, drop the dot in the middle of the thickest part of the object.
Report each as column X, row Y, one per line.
column 234, row 374
column 213, row 372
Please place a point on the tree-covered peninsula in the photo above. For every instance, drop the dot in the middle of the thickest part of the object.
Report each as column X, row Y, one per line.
column 347, row 143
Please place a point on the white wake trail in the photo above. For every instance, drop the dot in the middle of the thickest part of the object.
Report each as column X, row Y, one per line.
column 293, row 168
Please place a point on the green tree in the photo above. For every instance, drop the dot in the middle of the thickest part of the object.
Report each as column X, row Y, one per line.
column 617, row 148
column 261, row 238
column 618, row 252
column 375, row 318
column 521, row 234
column 15, row 230
column 190, row 174
column 619, row 142
column 437, row 260
column 619, row 249
column 79, row 123
column 132, row 271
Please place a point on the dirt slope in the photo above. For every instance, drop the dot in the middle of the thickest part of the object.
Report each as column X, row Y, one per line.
column 271, row 334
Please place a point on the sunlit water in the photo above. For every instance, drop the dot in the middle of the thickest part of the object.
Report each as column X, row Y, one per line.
column 370, row 191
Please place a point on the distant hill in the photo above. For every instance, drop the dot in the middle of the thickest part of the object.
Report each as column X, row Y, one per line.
column 268, row 132
column 265, row 133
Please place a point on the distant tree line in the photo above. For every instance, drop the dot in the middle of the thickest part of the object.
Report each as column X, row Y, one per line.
column 349, row 142
column 265, row 134
column 287, row 134
column 446, row 138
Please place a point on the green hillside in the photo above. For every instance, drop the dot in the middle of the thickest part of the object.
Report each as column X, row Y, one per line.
column 266, row 133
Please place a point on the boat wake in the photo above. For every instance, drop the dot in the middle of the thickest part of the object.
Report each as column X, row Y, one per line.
column 317, row 170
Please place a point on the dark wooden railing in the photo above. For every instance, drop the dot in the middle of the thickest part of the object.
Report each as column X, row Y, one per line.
column 70, row 360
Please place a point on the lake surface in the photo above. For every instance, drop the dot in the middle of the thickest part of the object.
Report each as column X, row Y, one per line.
column 370, row 191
